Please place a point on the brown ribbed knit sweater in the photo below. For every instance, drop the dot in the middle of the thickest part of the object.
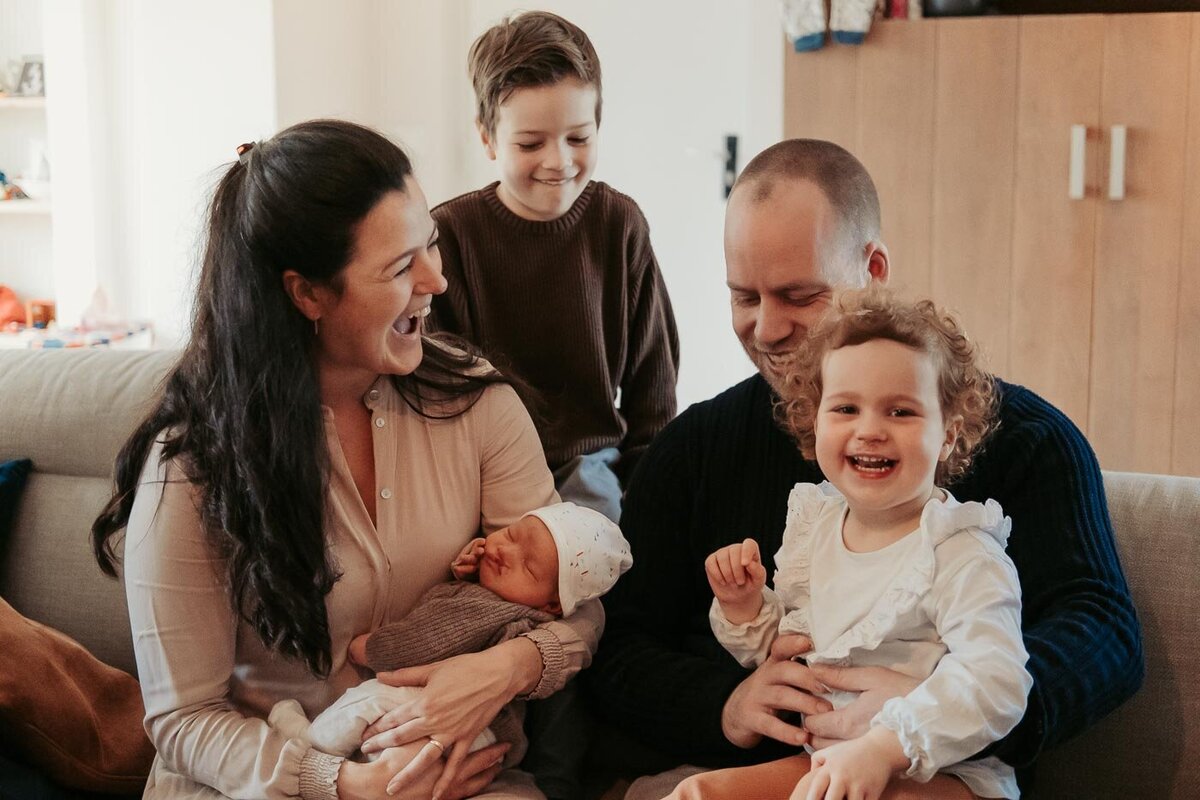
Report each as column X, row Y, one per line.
column 575, row 306
column 451, row 619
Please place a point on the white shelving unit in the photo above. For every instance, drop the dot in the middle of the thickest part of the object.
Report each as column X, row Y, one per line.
column 26, row 227
column 15, row 102
column 21, row 207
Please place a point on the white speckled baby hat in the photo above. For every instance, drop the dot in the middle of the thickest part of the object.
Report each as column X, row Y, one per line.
column 592, row 553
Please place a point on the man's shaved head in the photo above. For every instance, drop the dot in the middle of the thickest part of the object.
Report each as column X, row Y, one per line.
column 840, row 176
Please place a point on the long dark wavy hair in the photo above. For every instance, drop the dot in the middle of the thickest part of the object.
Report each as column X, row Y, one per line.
column 240, row 411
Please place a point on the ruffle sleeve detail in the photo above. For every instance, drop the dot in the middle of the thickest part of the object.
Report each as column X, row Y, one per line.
column 807, row 504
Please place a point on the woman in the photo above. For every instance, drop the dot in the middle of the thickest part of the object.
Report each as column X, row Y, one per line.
column 311, row 467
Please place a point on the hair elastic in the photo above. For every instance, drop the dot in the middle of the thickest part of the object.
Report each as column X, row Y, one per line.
column 243, row 151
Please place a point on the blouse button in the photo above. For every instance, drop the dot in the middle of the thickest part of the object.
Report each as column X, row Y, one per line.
column 386, row 494
column 373, row 394
column 379, row 423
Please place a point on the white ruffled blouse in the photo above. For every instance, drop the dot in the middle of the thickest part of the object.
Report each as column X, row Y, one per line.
column 942, row 605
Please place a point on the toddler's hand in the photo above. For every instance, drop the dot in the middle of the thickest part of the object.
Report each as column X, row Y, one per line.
column 466, row 564
column 358, row 649
column 737, row 576
column 859, row 768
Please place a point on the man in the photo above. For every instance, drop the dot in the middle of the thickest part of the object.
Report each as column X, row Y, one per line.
column 803, row 220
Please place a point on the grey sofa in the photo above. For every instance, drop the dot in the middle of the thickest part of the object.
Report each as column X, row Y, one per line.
column 69, row 411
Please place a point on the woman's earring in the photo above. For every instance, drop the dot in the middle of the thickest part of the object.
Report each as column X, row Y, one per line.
column 316, row 328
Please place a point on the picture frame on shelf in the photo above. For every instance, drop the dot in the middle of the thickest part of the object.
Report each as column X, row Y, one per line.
column 32, row 79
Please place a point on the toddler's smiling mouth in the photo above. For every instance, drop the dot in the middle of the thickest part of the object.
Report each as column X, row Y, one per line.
column 876, row 464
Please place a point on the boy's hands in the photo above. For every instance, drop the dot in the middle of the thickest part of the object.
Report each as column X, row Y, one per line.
column 465, row 565
column 858, row 769
column 737, row 576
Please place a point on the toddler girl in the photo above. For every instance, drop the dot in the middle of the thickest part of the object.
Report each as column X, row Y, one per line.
column 879, row 566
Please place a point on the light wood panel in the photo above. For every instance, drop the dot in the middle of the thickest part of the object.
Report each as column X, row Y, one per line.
column 1146, row 57
column 1054, row 236
column 821, row 91
column 877, row 102
column 895, row 141
column 1094, row 304
column 973, row 176
column 1185, row 453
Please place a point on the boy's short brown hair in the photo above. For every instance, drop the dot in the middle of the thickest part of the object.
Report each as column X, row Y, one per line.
column 535, row 48
column 862, row 315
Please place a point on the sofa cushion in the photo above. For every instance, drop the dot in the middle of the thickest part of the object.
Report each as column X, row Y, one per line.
column 71, row 410
column 48, row 572
column 67, row 713
column 1150, row 746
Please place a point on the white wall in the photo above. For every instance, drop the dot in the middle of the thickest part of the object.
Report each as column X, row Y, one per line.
column 325, row 54
column 183, row 83
column 678, row 76
column 191, row 81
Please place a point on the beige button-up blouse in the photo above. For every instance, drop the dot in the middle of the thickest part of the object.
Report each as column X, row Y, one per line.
column 207, row 680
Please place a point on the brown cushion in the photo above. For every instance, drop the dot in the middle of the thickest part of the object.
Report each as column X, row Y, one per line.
column 68, row 714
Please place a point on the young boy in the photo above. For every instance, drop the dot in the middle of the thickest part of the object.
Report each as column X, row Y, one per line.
column 551, row 273
column 539, row 568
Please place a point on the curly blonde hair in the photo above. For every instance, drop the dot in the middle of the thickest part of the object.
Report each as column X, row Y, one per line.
column 863, row 315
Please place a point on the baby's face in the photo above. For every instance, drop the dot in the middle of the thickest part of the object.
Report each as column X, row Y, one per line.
column 520, row 563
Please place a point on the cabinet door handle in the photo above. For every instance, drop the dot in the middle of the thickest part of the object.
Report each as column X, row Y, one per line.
column 1116, row 163
column 1075, row 187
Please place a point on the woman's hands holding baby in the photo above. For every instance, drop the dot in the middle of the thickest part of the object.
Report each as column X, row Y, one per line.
column 461, row 697
column 737, row 576
column 357, row 781
column 465, row 565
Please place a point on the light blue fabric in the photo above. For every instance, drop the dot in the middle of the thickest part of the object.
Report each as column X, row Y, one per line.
column 589, row 481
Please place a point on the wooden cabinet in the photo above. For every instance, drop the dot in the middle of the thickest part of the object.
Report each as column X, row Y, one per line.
column 1185, row 449
column 967, row 126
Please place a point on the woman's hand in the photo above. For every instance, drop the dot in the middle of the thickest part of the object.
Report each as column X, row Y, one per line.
column 372, row 780
column 460, row 697
column 466, row 564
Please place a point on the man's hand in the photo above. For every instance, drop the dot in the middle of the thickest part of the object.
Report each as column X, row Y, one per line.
column 736, row 575
column 465, row 565
column 875, row 685
column 779, row 684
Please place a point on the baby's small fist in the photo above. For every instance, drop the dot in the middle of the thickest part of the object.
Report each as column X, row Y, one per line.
column 466, row 564
column 358, row 649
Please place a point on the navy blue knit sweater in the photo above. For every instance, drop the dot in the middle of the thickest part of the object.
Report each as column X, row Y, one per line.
column 722, row 471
